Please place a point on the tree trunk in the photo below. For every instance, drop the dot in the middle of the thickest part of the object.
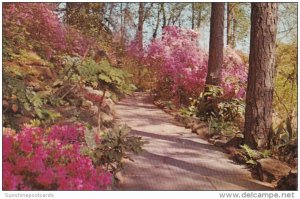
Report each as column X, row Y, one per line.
column 139, row 34
column 71, row 8
column 157, row 22
column 233, row 39
column 102, row 9
column 67, row 14
column 164, row 15
column 258, row 116
column 216, row 44
column 122, row 25
column 199, row 19
column 193, row 15
column 228, row 25
column 139, row 37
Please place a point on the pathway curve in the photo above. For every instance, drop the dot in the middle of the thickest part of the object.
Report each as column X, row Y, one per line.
column 174, row 158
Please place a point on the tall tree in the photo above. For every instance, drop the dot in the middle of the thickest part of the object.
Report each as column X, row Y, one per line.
column 287, row 29
column 139, row 37
column 202, row 13
column 193, row 15
column 258, row 116
column 159, row 10
column 164, row 15
column 216, row 44
column 238, row 23
column 88, row 18
column 143, row 14
column 229, row 30
column 172, row 13
column 139, row 34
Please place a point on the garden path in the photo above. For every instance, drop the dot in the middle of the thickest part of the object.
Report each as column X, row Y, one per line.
column 175, row 158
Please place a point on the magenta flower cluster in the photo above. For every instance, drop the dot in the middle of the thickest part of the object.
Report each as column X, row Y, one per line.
column 38, row 22
column 49, row 159
column 181, row 62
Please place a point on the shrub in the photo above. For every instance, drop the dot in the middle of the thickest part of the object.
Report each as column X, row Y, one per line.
column 37, row 27
column 224, row 115
column 106, row 77
column 112, row 147
column 33, row 25
column 49, row 159
column 182, row 66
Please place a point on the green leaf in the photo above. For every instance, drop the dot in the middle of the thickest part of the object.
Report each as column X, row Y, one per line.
column 105, row 78
column 252, row 162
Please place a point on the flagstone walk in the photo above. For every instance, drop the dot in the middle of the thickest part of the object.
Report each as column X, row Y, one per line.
column 175, row 158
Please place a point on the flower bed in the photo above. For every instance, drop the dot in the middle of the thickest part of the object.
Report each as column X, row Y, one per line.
column 49, row 159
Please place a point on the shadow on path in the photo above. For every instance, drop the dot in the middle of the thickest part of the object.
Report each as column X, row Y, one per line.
column 180, row 141
column 174, row 158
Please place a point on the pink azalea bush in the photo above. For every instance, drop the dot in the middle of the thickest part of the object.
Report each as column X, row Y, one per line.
column 182, row 65
column 34, row 22
column 77, row 43
column 178, row 58
column 49, row 159
column 135, row 51
column 36, row 26
column 234, row 75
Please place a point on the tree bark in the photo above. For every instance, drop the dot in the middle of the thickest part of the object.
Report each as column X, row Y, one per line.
column 164, row 15
column 139, row 34
column 157, row 22
column 216, row 44
column 71, row 9
column 233, row 35
column 193, row 15
column 139, row 37
column 199, row 19
column 258, row 115
column 231, row 24
column 228, row 25
column 121, row 16
column 176, row 18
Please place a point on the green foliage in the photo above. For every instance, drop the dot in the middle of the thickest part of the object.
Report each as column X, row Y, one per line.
column 35, row 123
column 26, row 65
column 99, row 75
column 34, row 102
column 284, row 124
column 113, row 147
column 284, row 132
column 169, row 105
column 26, row 90
column 12, row 91
column 240, row 27
column 30, row 57
column 285, row 96
column 251, row 162
column 205, row 106
column 229, row 110
column 190, row 110
column 217, row 126
column 252, row 155
column 87, row 17
column 266, row 153
column 141, row 75
column 223, row 115
column 213, row 91
column 250, row 152
column 284, row 140
column 202, row 13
